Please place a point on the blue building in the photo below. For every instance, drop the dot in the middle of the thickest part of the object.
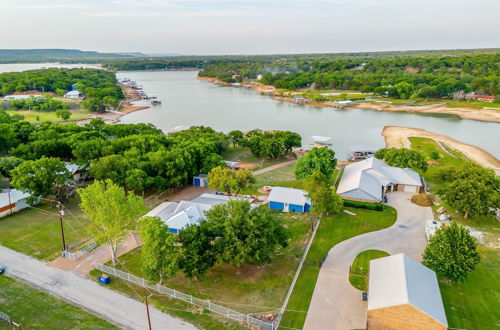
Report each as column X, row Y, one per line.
column 200, row 180
column 289, row 200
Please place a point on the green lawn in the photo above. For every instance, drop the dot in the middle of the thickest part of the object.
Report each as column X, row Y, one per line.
column 36, row 233
column 332, row 230
column 471, row 304
column 358, row 274
column 38, row 310
column 426, row 147
column 41, row 116
column 475, row 303
column 242, row 154
column 247, row 289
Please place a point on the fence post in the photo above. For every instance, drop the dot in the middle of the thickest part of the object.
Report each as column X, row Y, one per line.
column 209, row 306
column 248, row 319
column 191, row 297
column 175, row 293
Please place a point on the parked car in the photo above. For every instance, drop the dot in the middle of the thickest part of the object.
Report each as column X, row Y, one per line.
column 2, row 269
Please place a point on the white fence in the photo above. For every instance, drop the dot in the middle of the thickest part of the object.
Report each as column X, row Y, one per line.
column 8, row 319
column 224, row 311
column 80, row 253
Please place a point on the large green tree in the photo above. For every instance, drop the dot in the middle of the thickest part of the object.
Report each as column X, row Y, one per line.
column 159, row 249
column 470, row 189
column 111, row 211
column 324, row 198
column 403, row 157
column 40, row 177
column 197, row 252
column 317, row 159
column 244, row 233
column 451, row 252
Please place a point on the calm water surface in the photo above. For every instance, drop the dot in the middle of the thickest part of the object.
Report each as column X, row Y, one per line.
column 187, row 101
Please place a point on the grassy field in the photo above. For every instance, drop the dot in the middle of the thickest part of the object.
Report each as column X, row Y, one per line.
column 358, row 274
column 242, row 154
column 472, row 304
column 247, row 289
column 37, row 233
column 30, row 307
column 475, row 303
column 332, row 230
column 41, row 116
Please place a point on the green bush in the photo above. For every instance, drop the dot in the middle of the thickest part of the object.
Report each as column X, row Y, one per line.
column 364, row 205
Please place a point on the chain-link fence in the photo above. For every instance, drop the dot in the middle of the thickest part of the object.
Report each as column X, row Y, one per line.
column 246, row 319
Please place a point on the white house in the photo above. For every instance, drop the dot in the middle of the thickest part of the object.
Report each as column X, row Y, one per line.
column 12, row 201
column 177, row 216
column 73, row 95
column 289, row 200
column 370, row 179
column 404, row 294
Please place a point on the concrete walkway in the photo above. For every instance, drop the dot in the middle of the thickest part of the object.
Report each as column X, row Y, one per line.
column 336, row 304
column 117, row 308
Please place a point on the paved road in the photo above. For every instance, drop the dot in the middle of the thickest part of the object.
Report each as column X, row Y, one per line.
column 336, row 304
column 117, row 308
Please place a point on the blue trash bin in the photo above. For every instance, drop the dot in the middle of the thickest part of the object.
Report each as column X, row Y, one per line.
column 104, row 279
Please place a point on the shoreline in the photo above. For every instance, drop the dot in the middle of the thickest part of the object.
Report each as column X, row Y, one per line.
column 397, row 137
column 488, row 115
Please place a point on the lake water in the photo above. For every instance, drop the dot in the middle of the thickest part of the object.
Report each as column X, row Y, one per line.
column 187, row 101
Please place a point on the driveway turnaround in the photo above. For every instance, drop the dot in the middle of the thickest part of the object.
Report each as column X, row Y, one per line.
column 336, row 304
column 117, row 308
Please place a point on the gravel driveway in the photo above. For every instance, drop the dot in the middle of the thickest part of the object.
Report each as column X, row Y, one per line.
column 117, row 308
column 336, row 304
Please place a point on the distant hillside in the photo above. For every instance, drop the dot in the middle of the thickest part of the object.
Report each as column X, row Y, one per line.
column 47, row 55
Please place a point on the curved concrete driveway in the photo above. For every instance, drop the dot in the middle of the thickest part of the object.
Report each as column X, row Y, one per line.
column 336, row 304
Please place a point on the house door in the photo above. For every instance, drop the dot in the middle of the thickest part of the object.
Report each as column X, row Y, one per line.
column 285, row 208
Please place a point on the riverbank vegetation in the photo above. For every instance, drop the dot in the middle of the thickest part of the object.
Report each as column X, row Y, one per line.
column 99, row 87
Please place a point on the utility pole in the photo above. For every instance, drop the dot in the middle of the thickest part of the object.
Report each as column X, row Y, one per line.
column 61, row 214
column 147, row 311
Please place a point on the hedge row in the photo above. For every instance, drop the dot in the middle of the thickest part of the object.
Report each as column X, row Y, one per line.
column 364, row 205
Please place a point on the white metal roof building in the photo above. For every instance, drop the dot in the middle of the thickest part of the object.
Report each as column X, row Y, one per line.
column 369, row 179
column 12, row 200
column 178, row 216
column 73, row 95
column 289, row 199
column 404, row 294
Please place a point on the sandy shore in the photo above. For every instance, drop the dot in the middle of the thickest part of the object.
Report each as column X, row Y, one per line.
column 491, row 115
column 465, row 113
column 397, row 137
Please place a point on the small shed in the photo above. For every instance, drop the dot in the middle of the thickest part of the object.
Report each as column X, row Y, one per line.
column 289, row 200
column 404, row 294
column 200, row 180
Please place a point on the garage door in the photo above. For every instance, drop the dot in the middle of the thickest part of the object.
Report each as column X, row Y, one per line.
column 408, row 188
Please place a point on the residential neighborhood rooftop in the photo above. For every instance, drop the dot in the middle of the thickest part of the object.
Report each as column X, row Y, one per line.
column 398, row 280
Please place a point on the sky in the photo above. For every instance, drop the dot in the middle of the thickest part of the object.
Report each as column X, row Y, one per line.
column 216, row 27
